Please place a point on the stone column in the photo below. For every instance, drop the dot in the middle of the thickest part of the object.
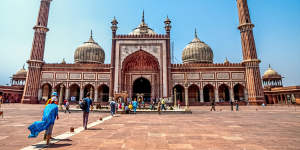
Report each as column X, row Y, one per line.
column 246, row 94
column 201, row 96
column 272, row 98
column 285, row 97
column 175, row 97
column 96, row 96
column 231, row 94
column 186, row 95
column 281, row 98
column 216, row 95
column 60, row 100
column 81, row 93
column 67, row 95
column 40, row 94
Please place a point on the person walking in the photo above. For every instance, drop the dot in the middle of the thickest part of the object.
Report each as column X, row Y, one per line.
column 134, row 105
column 85, row 106
column 67, row 106
column 52, row 100
column 213, row 105
column 112, row 105
column 49, row 115
column 236, row 105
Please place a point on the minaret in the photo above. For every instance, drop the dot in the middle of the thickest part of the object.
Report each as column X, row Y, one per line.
column 168, row 43
column 36, row 60
column 114, row 28
column 253, row 78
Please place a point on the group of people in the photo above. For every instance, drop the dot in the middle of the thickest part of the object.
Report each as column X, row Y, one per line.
column 50, row 114
column 232, row 103
column 132, row 105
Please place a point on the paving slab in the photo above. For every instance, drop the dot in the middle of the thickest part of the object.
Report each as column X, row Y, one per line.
column 252, row 128
column 17, row 118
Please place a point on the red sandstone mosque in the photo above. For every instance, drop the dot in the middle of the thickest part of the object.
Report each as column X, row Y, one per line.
column 141, row 65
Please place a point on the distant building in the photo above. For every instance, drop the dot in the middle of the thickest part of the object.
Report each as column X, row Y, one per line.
column 274, row 91
column 13, row 93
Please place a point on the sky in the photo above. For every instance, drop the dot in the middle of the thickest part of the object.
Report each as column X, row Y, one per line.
column 276, row 32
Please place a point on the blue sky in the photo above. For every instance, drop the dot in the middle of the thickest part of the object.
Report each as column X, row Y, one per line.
column 277, row 29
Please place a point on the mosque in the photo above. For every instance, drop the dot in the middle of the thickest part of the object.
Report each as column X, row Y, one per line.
column 141, row 66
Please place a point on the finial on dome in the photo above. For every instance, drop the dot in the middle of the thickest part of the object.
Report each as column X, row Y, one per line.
column 63, row 61
column 196, row 36
column 143, row 16
column 269, row 65
column 226, row 61
column 91, row 40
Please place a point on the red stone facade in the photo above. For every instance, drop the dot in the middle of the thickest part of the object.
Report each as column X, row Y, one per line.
column 141, row 64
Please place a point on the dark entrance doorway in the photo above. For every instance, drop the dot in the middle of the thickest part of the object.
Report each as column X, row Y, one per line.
column 142, row 86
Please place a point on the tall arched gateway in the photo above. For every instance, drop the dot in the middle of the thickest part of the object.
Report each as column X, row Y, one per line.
column 140, row 75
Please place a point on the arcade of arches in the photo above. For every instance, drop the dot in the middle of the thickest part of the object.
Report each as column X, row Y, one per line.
column 143, row 86
column 75, row 93
column 223, row 93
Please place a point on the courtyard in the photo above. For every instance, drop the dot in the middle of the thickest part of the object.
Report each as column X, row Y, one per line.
column 251, row 128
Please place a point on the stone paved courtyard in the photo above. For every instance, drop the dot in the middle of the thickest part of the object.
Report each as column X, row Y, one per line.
column 270, row 128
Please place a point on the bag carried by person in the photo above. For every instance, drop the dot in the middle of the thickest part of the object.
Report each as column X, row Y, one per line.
column 83, row 105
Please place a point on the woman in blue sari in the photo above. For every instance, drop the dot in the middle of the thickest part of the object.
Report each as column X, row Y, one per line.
column 47, row 123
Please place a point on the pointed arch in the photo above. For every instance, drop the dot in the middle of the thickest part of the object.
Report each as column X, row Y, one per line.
column 140, row 61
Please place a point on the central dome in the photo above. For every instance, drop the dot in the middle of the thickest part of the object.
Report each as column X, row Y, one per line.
column 197, row 52
column 89, row 52
column 142, row 28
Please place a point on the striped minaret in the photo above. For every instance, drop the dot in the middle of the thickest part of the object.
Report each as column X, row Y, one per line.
column 35, row 62
column 253, row 78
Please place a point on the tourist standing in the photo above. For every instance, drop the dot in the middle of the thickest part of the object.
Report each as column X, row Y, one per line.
column 231, row 104
column 213, row 105
column 163, row 103
column 112, row 107
column 85, row 106
column 127, row 110
column 236, row 105
column 139, row 102
column 117, row 106
column 143, row 102
column 158, row 107
column 134, row 105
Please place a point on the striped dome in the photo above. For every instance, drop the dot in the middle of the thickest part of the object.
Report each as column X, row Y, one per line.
column 89, row 52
